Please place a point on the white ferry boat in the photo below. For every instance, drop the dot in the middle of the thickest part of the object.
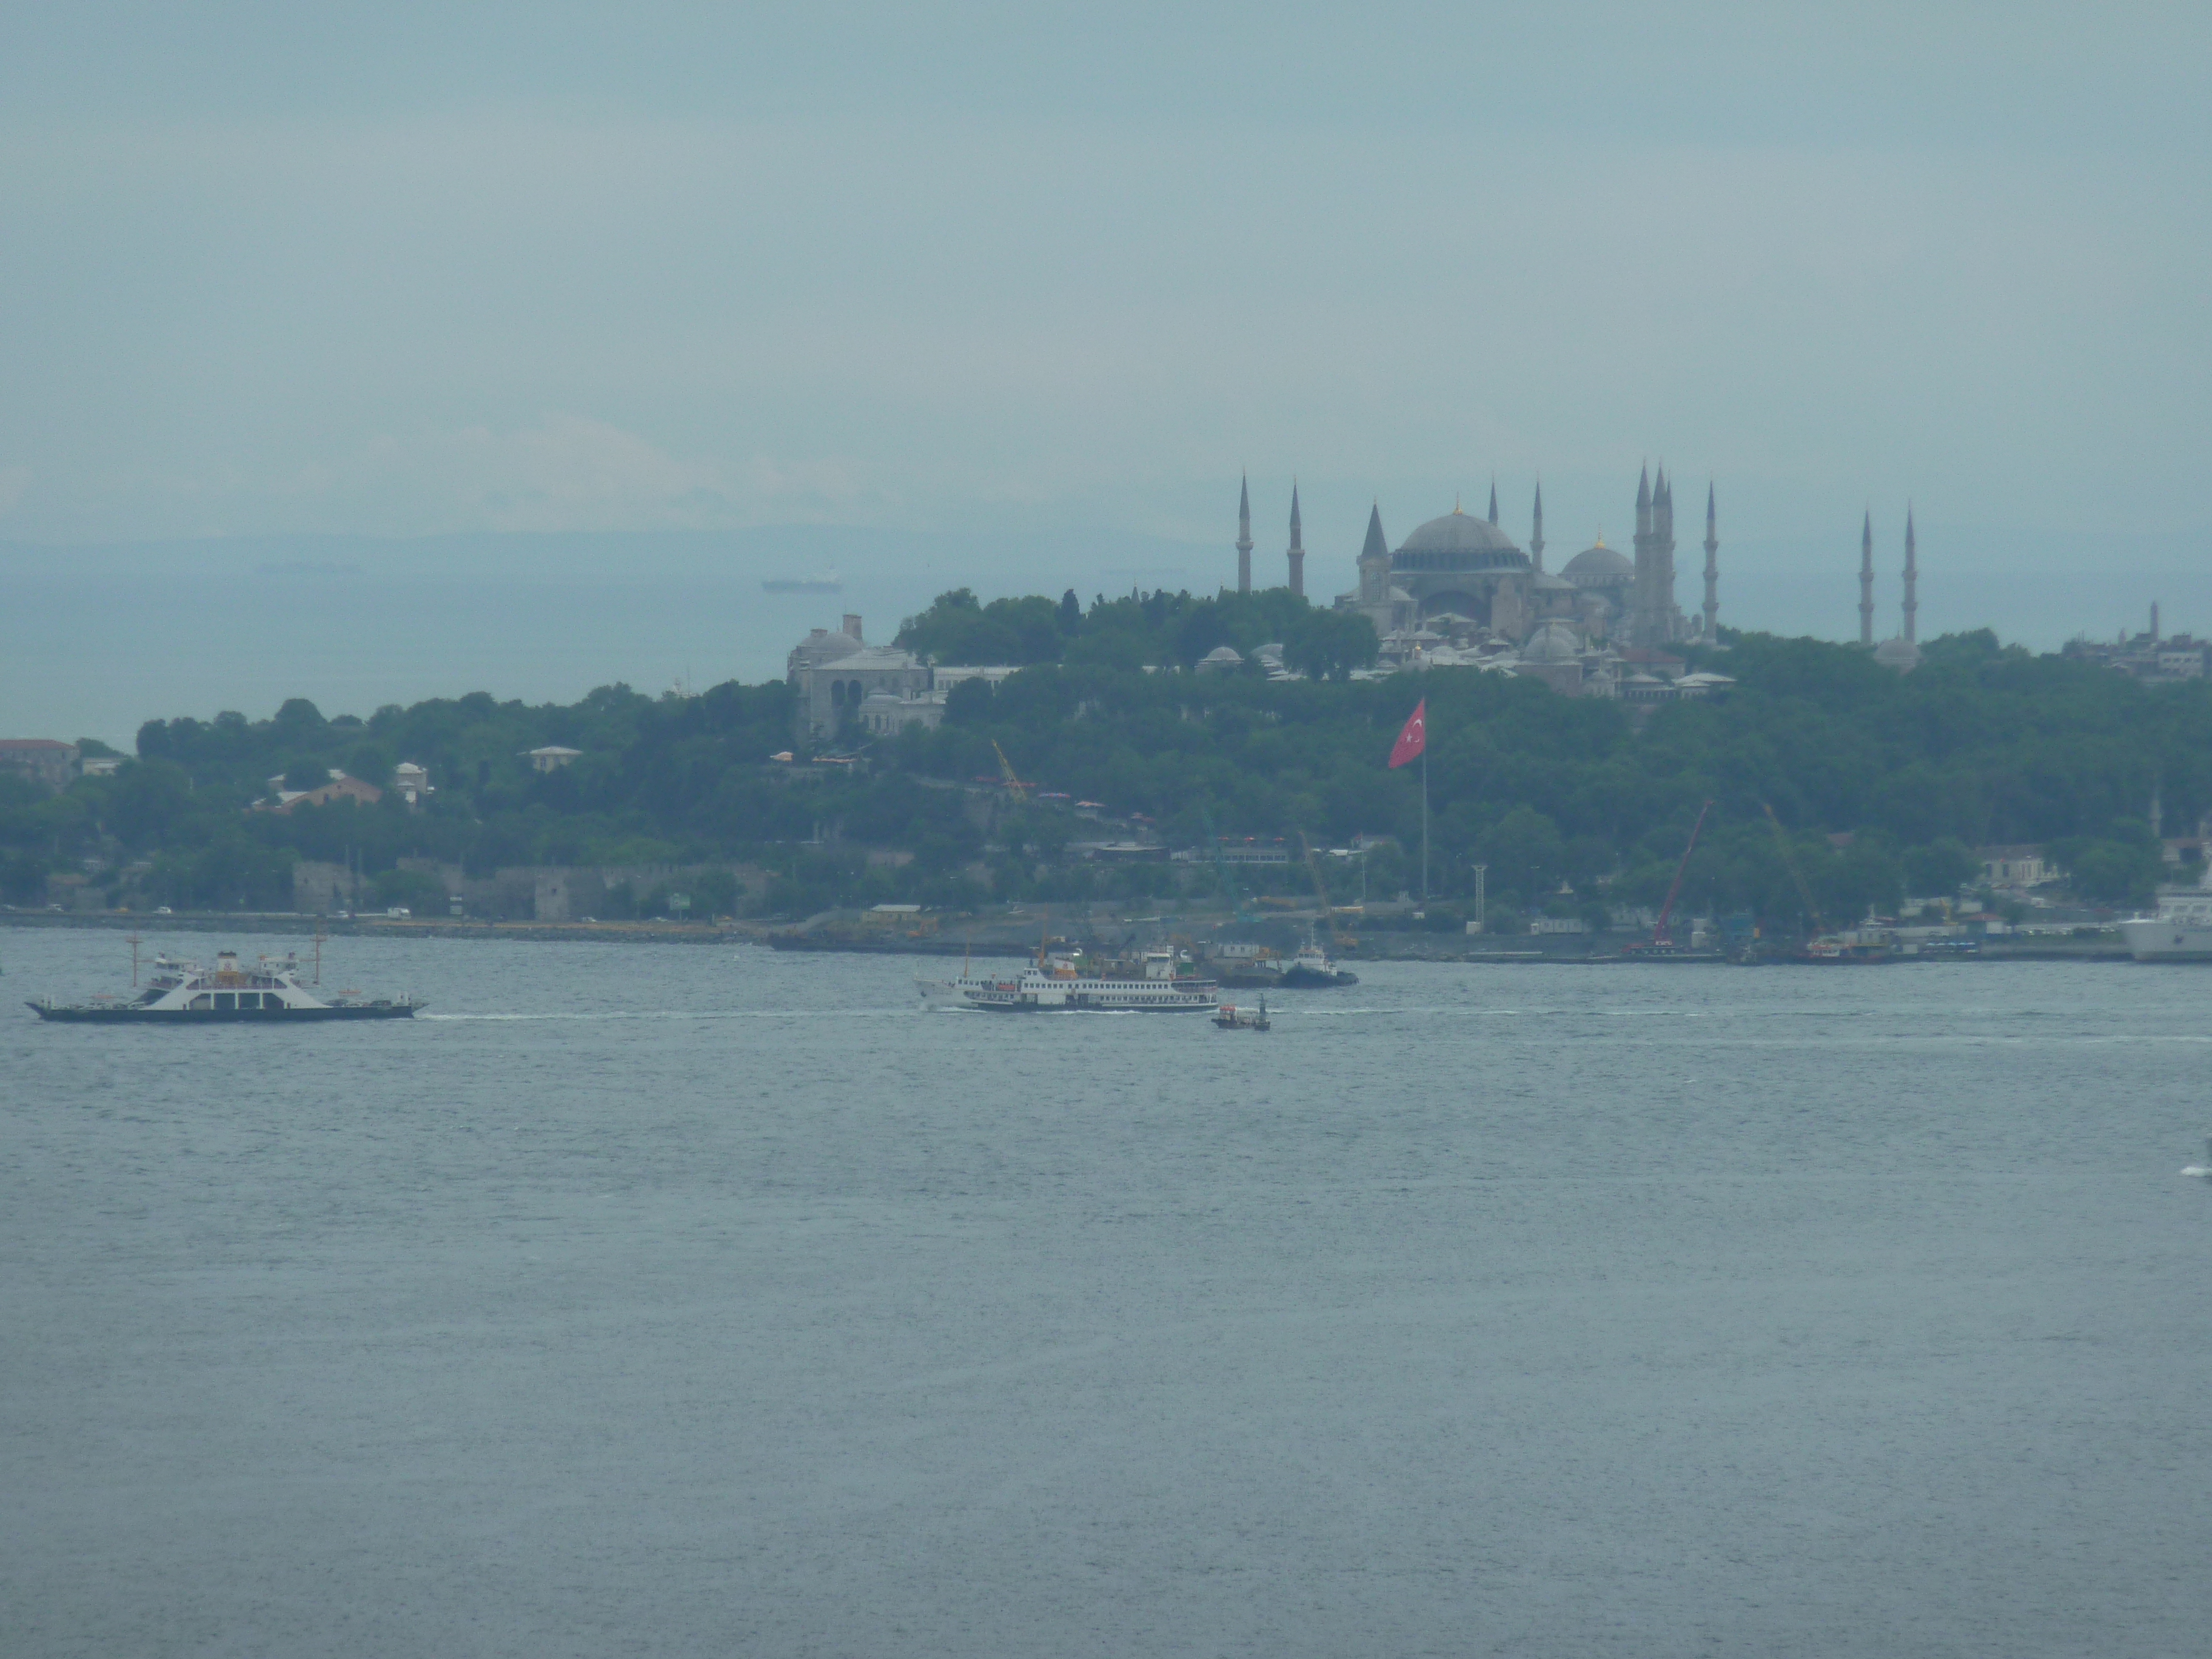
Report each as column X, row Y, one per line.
column 1159, row 982
column 2180, row 932
column 185, row 994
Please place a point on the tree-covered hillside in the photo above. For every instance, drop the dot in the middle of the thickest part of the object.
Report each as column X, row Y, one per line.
column 1983, row 744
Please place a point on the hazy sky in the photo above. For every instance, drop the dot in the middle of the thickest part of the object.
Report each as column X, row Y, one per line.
column 385, row 270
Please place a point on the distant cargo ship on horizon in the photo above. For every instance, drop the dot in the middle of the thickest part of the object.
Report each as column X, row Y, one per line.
column 828, row 582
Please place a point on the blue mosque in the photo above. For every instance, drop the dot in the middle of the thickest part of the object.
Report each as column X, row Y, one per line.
column 1462, row 578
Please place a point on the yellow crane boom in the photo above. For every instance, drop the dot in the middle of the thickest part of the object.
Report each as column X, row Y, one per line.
column 1016, row 785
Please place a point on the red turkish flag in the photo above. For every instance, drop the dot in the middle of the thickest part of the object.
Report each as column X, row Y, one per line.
column 1412, row 742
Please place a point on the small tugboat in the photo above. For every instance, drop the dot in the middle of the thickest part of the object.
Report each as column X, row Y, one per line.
column 1311, row 969
column 1231, row 1017
column 1159, row 982
column 1245, row 967
column 185, row 994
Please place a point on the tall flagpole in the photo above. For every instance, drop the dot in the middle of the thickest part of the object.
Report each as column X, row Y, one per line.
column 1425, row 818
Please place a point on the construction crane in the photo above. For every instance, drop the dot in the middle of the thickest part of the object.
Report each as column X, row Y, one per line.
column 1016, row 785
column 1320, row 887
column 1659, row 933
column 1790, row 858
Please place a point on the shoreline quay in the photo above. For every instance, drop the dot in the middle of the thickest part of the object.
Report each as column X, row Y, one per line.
column 1376, row 947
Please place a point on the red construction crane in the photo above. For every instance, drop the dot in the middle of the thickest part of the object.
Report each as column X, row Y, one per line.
column 1659, row 933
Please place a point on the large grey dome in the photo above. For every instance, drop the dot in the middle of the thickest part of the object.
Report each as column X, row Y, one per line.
column 1599, row 567
column 1459, row 541
column 1458, row 532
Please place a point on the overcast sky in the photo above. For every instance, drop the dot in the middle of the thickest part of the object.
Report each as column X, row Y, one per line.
column 378, row 269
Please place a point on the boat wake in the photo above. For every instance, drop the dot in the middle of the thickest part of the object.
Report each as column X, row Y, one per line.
column 616, row 1014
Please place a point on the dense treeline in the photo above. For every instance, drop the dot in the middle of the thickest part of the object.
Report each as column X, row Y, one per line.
column 1884, row 783
column 1171, row 630
column 1981, row 744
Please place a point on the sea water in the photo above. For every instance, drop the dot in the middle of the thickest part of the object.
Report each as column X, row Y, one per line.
column 683, row 1300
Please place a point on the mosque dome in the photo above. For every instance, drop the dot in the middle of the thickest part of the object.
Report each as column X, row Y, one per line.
column 822, row 646
column 1459, row 541
column 1553, row 642
column 1599, row 567
column 1898, row 652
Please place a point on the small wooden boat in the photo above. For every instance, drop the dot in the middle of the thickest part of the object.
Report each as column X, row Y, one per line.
column 1229, row 1018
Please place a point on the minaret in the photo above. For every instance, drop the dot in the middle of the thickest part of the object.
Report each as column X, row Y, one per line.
column 1911, row 581
column 1639, row 604
column 1712, row 568
column 2153, row 622
column 1375, row 561
column 1866, row 581
column 1536, row 534
column 1664, row 616
column 1244, row 537
column 1493, row 501
column 1297, row 548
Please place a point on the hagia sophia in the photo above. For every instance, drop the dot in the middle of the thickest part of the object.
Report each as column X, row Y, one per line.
column 1459, row 591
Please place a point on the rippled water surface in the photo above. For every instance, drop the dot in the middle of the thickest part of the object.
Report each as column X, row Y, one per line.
column 676, row 1300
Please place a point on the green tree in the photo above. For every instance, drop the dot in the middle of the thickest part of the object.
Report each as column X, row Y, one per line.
column 1941, row 868
column 1330, row 644
column 1524, row 852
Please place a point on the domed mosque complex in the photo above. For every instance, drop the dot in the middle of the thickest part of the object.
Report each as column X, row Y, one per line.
column 1459, row 591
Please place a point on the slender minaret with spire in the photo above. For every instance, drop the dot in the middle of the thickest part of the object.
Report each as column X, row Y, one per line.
column 1665, row 618
column 1866, row 581
column 1298, row 547
column 1911, row 581
column 1244, row 537
column 1639, row 604
column 1536, row 531
column 1375, row 563
column 1712, row 567
column 1493, row 501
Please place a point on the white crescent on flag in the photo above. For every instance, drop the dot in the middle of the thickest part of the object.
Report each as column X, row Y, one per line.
column 1412, row 742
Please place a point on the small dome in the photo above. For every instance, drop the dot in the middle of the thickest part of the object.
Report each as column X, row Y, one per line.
column 1898, row 652
column 1553, row 642
column 1219, row 661
column 1545, row 582
column 1599, row 567
column 822, row 646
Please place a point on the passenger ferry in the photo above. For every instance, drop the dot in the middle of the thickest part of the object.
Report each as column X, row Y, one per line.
column 2180, row 932
column 1159, row 983
column 185, row 994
